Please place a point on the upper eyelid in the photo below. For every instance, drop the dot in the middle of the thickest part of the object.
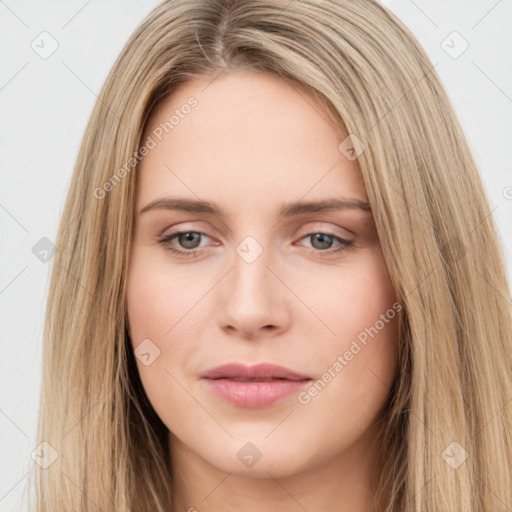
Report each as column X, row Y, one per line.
column 180, row 231
column 307, row 233
column 312, row 229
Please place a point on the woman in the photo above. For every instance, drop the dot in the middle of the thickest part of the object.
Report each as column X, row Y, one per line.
column 278, row 282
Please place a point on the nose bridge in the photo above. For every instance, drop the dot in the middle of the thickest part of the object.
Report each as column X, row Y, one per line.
column 250, row 272
column 252, row 301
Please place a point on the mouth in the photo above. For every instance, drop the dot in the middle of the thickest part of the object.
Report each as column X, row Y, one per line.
column 262, row 372
column 239, row 379
column 254, row 386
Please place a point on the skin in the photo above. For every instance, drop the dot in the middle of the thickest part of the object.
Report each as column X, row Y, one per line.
column 251, row 144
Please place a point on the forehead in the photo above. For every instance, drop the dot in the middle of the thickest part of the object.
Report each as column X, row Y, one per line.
column 249, row 136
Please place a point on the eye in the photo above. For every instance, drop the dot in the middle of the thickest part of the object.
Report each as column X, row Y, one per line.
column 323, row 242
column 190, row 242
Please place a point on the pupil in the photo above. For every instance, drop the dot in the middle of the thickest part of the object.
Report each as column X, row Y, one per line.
column 187, row 240
column 322, row 238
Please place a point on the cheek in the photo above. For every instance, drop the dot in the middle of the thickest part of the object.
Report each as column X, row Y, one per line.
column 161, row 301
column 163, row 320
column 359, row 357
column 353, row 297
column 154, row 309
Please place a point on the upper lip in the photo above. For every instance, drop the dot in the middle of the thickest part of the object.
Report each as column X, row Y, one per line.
column 258, row 371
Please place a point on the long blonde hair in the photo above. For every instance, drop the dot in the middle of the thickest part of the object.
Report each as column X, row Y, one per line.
column 451, row 395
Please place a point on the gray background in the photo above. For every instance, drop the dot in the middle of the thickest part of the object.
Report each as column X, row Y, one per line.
column 44, row 107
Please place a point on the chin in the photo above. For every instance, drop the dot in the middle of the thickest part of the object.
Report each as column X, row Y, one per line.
column 259, row 457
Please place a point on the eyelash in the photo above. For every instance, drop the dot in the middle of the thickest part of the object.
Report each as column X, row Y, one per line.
column 345, row 244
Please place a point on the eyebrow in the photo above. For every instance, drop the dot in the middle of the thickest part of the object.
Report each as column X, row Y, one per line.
column 287, row 210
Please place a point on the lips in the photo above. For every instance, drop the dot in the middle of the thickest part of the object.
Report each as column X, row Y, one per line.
column 254, row 386
column 259, row 372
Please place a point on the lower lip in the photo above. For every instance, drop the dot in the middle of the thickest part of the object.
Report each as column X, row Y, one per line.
column 255, row 393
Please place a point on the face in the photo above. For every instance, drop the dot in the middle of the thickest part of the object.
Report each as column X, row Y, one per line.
column 263, row 280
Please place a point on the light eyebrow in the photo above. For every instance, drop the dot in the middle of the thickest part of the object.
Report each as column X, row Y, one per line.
column 324, row 205
column 185, row 205
column 287, row 210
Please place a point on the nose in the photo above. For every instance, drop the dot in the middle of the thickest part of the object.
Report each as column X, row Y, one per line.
column 254, row 301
